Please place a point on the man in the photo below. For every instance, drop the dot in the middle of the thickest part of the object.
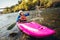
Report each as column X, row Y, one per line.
column 22, row 17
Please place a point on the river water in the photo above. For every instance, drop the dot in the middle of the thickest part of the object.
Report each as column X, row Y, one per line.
column 5, row 21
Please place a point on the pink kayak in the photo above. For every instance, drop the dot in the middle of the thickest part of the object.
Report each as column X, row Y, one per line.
column 35, row 30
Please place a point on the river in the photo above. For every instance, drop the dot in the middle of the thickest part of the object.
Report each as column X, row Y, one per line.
column 5, row 21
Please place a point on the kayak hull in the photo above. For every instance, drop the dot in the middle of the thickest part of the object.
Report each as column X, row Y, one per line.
column 35, row 30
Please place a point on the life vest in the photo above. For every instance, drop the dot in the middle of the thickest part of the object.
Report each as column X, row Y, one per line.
column 23, row 18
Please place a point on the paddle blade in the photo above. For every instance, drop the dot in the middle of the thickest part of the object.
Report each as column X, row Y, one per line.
column 11, row 26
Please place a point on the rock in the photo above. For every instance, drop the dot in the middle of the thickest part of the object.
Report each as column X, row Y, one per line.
column 12, row 34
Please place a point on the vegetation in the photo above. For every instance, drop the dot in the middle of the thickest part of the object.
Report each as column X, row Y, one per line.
column 29, row 5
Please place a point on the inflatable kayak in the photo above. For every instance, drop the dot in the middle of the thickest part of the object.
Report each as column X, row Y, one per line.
column 35, row 30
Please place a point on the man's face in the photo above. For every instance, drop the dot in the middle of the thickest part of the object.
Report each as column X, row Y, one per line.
column 21, row 13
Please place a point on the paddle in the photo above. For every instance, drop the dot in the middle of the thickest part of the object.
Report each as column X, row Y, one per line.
column 11, row 26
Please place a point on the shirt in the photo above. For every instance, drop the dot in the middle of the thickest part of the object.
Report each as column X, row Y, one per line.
column 27, row 14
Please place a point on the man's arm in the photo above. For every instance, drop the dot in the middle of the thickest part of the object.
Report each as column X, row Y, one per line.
column 18, row 18
column 27, row 14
